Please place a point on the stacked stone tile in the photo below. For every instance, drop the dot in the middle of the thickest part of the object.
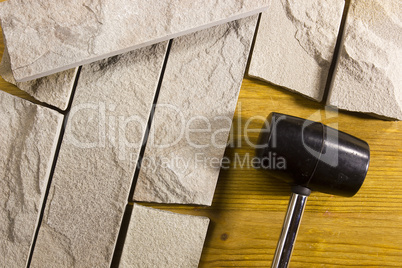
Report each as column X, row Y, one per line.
column 64, row 34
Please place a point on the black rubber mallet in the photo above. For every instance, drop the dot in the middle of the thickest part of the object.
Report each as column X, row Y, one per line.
column 312, row 157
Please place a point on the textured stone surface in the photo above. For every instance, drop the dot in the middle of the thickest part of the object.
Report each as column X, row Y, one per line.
column 66, row 34
column 368, row 73
column 28, row 139
column 194, row 113
column 54, row 89
column 157, row 238
column 97, row 160
column 295, row 44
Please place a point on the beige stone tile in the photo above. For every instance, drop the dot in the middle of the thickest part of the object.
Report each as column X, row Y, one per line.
column 368, row 73
column 194, row 113
column 44, row 37
column 157, row 238
column 295, row 44
column 54, row 89
column 28, row 140
column 95, row 167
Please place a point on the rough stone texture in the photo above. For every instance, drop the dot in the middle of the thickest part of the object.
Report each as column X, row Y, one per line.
column 368, row 73
column 97, row 160
column 157, row 238
column 66, row 34
column 295, row 44
column 199, row 93
column 54, row 89
column 28, row 140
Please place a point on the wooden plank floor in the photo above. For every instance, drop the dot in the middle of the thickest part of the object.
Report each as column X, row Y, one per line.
column 249, row 205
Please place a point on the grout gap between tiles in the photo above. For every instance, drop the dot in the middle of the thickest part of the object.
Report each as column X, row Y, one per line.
column 335, row 56
column 128, row 210
column 149, row 123
column 44, row 104
column 252, row 45
column 56, row 154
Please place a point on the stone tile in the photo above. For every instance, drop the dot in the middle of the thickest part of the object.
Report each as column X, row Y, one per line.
column 157, row 238
column 66, row 34
column 194, row 113
column 368, row 73
column 28, row 139
column 97, row 159
column 54, row 89
column 295, row 44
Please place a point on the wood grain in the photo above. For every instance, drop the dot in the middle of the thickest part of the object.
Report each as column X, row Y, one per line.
column 249, row 205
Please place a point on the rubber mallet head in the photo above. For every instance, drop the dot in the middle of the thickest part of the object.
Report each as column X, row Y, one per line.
column 313, row 157
column 316, row 156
